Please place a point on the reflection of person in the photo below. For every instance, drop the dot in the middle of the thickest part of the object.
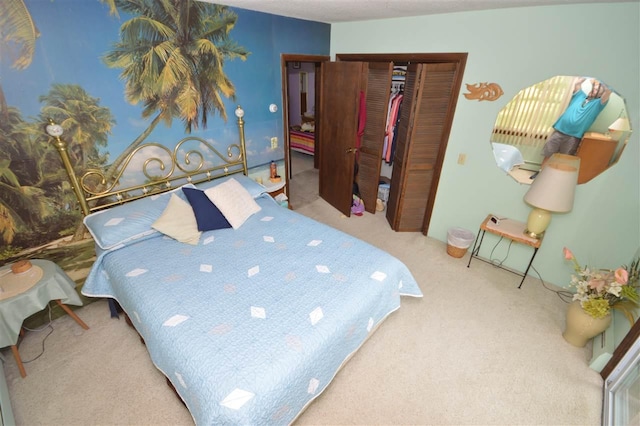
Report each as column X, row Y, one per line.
column 582, row 111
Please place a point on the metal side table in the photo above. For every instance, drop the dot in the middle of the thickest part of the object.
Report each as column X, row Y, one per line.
column 511, row 230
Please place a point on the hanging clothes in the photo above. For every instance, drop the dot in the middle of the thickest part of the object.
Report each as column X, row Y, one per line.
column 394, row 139
column 392, row 121
column 386, row 126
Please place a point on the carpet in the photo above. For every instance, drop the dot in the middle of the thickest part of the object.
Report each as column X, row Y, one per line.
column 303, row 188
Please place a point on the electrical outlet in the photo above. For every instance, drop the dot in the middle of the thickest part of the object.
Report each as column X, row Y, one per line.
column 274, row 142
column 462, row 158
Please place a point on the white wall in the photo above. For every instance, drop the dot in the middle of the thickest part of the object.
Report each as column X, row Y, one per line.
column 516, row 48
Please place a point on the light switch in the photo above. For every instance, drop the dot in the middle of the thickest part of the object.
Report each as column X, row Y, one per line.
column 462, row 158
column 274, row 142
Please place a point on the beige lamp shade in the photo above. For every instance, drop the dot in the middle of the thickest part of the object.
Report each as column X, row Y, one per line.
column 621, row 125
column 552, row 190
column 618, row 128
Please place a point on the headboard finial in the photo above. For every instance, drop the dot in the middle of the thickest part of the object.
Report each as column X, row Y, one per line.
column 55, row 131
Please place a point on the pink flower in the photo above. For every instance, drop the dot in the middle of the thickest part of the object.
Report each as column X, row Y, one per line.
column 567, row 253
column 597, row 284
column 622, row 276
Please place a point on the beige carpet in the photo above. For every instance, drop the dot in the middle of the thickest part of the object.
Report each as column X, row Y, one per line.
column 304, row 181
column 303, row 189
column 475, row 350
column 300, row 162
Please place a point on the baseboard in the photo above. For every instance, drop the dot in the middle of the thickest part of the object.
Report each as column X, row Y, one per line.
column 603, row 347
column 6, row 413
column 605, row 344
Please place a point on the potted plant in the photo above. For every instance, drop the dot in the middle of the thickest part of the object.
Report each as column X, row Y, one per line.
column 598, row 291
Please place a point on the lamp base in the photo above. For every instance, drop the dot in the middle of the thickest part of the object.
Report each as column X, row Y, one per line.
column 537, row 223
column 531, row 234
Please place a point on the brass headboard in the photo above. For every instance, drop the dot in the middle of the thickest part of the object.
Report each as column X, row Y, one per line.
column 183, row 164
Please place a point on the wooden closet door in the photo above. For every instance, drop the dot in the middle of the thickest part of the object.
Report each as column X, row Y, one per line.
column 378, row 92
column 341, row 85
column 420, row 145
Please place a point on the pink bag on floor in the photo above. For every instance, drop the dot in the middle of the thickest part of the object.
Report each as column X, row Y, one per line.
column 357, row 206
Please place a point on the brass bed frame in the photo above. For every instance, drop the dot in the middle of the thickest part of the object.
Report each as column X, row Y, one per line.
column 179, row 171
column 95, row 191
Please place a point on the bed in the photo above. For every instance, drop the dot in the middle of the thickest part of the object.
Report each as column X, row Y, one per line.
column 302, row 141
column 251, row 319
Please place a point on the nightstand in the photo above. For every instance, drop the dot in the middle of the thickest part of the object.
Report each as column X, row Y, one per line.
column 28, row 292
column 276, row 188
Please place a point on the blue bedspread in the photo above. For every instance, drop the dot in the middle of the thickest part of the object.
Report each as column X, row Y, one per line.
column 252, row 324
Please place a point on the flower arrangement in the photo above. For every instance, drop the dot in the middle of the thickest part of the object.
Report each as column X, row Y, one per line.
column 600, row 290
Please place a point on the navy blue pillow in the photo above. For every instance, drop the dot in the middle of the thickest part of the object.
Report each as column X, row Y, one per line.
column 208, row 216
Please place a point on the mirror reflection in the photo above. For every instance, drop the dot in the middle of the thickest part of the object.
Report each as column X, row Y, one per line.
column 576, row 115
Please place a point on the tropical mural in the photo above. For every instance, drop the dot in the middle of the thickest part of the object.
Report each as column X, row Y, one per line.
column 119, row 73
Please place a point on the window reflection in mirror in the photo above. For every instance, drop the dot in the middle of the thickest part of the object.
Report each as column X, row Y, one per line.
column 526, row 122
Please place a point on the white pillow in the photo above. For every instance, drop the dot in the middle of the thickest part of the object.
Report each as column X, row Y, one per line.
column 233, row 201
column 178, row 221
column 254, row 188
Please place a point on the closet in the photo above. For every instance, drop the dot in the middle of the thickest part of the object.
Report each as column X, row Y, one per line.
column 431, row 89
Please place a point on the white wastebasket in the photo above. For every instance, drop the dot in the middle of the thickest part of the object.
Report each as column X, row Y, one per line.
column 458, row 241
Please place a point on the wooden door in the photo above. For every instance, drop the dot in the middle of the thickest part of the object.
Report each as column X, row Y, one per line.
column 421, row 143
column 317, row 90
column 341, row 83
column 378, row 91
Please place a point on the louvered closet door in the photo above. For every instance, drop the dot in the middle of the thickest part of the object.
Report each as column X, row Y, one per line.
column 420, row 143
column 377, row 100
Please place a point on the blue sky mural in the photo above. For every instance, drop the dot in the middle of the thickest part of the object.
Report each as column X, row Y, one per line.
column 75, row 35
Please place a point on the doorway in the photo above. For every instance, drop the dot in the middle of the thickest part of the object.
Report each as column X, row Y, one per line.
column 300, row 84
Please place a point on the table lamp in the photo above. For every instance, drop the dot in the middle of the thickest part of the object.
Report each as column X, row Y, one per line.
column 552, row 191
column 618, row 128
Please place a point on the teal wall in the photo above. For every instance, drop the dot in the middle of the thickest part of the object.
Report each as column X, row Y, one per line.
column 516, row 48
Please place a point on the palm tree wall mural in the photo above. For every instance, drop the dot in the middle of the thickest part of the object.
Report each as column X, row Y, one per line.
column 172, row 57
column 18, row 34
column 119, row 73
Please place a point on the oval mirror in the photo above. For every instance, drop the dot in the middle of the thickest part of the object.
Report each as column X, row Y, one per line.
column 591, row 110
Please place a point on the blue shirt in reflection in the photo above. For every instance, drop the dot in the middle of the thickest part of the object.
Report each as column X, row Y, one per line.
column 579, row 115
